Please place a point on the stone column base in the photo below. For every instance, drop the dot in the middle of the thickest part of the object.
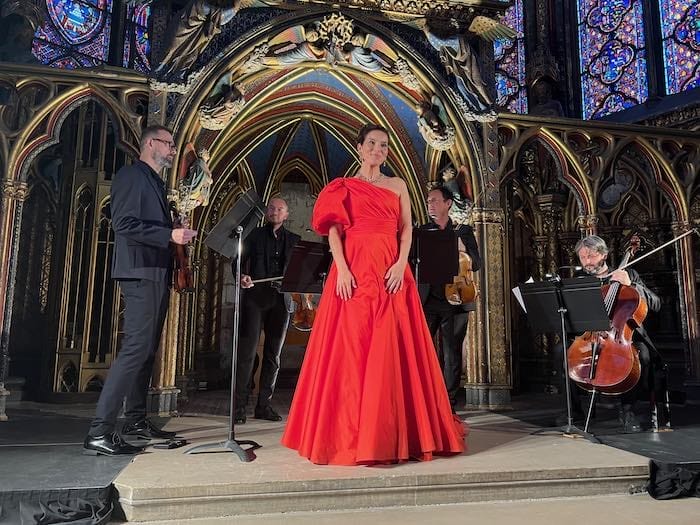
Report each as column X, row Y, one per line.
column 162, row 401
column 487, row 396
column 4, row 394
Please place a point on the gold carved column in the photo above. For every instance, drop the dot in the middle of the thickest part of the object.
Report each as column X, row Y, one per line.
column 488, row 381
column 489, row 373
column 689, row 308
column 163, row 395
column 14, row 193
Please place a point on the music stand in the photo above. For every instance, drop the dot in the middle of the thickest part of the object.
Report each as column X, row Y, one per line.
column 435, row 256
column 308, row 268
column 566, row 305
column 226, row 238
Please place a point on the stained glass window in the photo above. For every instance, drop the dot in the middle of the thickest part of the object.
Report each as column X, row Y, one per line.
column 137, row 44
column 680, row 31
column 612, row 55
column 510, row 63
column 75, row 33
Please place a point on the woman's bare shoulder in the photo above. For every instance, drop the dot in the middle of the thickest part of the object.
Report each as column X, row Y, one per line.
column 396, row 183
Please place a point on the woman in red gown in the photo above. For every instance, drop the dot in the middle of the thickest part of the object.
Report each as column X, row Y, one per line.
column 370, row 389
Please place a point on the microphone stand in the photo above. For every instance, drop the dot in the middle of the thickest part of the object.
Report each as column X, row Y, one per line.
column 231, row 444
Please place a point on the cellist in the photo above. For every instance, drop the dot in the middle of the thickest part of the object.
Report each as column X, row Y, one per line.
column 451, row 320
column 592, row 252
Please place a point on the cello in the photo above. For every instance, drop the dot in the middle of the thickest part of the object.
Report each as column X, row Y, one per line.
column 607, row 361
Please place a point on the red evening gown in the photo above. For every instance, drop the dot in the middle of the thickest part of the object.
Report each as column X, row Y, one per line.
column 370, row 389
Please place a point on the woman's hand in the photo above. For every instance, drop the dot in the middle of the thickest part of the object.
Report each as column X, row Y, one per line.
column 345, row 284
column 394, row 277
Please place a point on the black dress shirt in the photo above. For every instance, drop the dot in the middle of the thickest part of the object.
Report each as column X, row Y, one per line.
column 264, row 253
column 436, row 300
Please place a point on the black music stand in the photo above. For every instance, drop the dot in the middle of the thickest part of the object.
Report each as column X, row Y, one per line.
column 435, row 256
column 566, row 305
column 226, row 238
column 308, row 268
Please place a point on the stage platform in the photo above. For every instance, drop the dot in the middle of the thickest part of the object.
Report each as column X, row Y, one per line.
column 513, row 455
column 508, row 459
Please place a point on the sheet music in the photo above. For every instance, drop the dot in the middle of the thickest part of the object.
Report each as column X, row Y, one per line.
column 519, row 296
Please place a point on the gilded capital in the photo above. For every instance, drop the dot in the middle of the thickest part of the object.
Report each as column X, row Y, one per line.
column 488, row 216
column 15, row 190
column 588, row 224
column 680, row 227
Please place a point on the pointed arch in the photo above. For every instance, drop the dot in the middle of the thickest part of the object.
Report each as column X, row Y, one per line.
column 467, row 146
column 662, row 173
column 573, row 172
column 44, row 129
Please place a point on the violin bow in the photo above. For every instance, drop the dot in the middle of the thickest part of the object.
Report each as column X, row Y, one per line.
column 675, row 239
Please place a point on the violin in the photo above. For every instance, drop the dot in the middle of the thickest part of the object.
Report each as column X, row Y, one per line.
column 608, row 362
column 183, row 278
column 305, row 311
column 463, row 289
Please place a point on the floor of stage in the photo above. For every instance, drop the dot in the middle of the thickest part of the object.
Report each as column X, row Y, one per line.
column 516, row 454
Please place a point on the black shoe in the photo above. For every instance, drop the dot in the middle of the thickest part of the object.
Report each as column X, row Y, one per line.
column 267, row 413
column 146, row 429
column 110, row 444
column 240, row 417
column 630, row 422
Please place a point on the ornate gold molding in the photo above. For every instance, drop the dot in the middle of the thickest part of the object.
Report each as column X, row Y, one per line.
column 15, row 190
column 588, row 224
column 488, row 216
column 462, row 11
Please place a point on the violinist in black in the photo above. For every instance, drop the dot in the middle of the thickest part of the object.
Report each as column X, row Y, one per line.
column 592, row 253
column 266, row 253
column 451, row 320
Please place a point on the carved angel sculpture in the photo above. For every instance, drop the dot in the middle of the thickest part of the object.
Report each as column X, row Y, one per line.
column 433, row 125
column 371, row 54
column 221, row 107
column 459, row 184
column 195, row 188
column 460, row 60
column 294, row 45
column 197, row 24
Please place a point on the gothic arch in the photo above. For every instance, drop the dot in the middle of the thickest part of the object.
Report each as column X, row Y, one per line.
column 37, row 136
column 573, row 173
column 466, row 149
column 662, row 173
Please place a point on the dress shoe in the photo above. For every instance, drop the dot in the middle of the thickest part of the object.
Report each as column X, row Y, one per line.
column 630, row 422
column 146, row 429
column 110, row 444
column 267, row 413
column 240, row 417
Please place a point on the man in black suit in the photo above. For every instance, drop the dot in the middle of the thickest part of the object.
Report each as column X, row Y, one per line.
column 143, row 231
column 450, row 319
column 266, row 253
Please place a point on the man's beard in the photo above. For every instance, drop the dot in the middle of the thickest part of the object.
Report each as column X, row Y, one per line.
column 164, row 162
column 595, row 270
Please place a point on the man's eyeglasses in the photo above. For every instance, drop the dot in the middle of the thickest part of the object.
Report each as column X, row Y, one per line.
column 171, row 145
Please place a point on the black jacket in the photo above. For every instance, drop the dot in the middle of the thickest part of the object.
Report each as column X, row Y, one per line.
column 142, row 224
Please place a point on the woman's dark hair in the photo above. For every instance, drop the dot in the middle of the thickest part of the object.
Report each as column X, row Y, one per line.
column 367, row 128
